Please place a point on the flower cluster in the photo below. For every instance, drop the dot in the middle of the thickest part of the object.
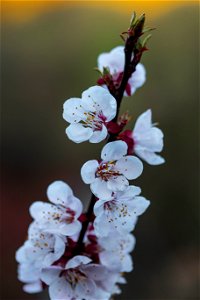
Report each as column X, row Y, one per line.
column 83, row 256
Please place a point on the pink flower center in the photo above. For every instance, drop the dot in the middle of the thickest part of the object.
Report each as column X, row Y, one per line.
column 73, row 276
column 106, row 170
column 94, row 120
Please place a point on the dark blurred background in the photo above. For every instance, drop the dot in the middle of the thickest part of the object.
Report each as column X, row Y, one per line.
column 49, row 50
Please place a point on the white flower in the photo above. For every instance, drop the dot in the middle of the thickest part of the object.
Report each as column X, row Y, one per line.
column 148, row 139
column 60, row 217
column 115, row 252
column 120, row 212
column 79, row 279
column 88, row 116
column 41, row 250
column 111, row 174
column 115, row 60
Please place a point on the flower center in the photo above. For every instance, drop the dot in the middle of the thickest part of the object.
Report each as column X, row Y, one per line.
column 109, row 205
column 94, row 120
column 106, row 170
column 73, row 276
column 68, row 217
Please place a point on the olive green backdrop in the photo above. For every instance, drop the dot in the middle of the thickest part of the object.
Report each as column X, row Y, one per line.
column 51, row 58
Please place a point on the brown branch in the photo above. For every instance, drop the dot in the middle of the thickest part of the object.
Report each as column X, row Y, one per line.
column 131, row 50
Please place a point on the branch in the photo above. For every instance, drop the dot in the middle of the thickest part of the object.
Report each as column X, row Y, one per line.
column 133, row 52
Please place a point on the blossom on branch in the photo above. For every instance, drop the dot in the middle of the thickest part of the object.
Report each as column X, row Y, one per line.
column 82, row 256
column 114, row 61
column 145, row 139
column 120, row 212
column 41, row 250
column 115, row 251
column 60, row 217
column 79, row 279
column 89, row 115
column 112, row 173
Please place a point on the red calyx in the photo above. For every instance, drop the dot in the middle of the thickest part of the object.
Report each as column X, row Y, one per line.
column 127, row 137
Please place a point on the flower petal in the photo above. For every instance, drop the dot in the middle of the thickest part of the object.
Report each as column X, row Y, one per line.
column 99, row 135
column 78, row 133
column 99, row 99
column 88, row 171
column 130, row 166
column 77, row 261
column 138, row 77
column 59, row 249
column 36, row 209
column 139, row 205
column 59, row 192
column 114, row 60
column 98, row 207
column 129, row 193
column 150, row 157
column 49, row 275
column 99, row 189
column 118, row 183
column 33, row 287
column 143, row 122
column 114, row 150
column 73, row 110
column 85, row 289
column 65, row 229
column 77, row 206
column 61, row 290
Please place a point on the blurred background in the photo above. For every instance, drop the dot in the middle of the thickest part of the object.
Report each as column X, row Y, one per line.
column 49, row 50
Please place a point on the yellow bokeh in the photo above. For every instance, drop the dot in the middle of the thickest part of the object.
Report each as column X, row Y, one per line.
column 23, row 11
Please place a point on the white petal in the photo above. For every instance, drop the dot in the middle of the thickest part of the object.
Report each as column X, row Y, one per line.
column 129, row 193
column 100, row 100
column 96, row 272
column 78, row 133
column 59, row 249
column 150, row 157
column 66, row 229
column 102, row 226
column 138, row 77
column 28, row 273
column 36, row 209
column 130, row 166
column 34, row 287
column 114, row 150
column 127, row 264
column 73, row 110
column 60, row 290
column 151, row 139
column 77, row 261
column 118, row 183
column 59, row 192
column 143, row 122
column 88, row 171
column 110, row 260
column 99, row 189
column 139, row 204
column 76, row 205
column 20, row 254
column 85, row 289
column 99, row 207
column 99, row 135
column 49, row 275
column 114, row 60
